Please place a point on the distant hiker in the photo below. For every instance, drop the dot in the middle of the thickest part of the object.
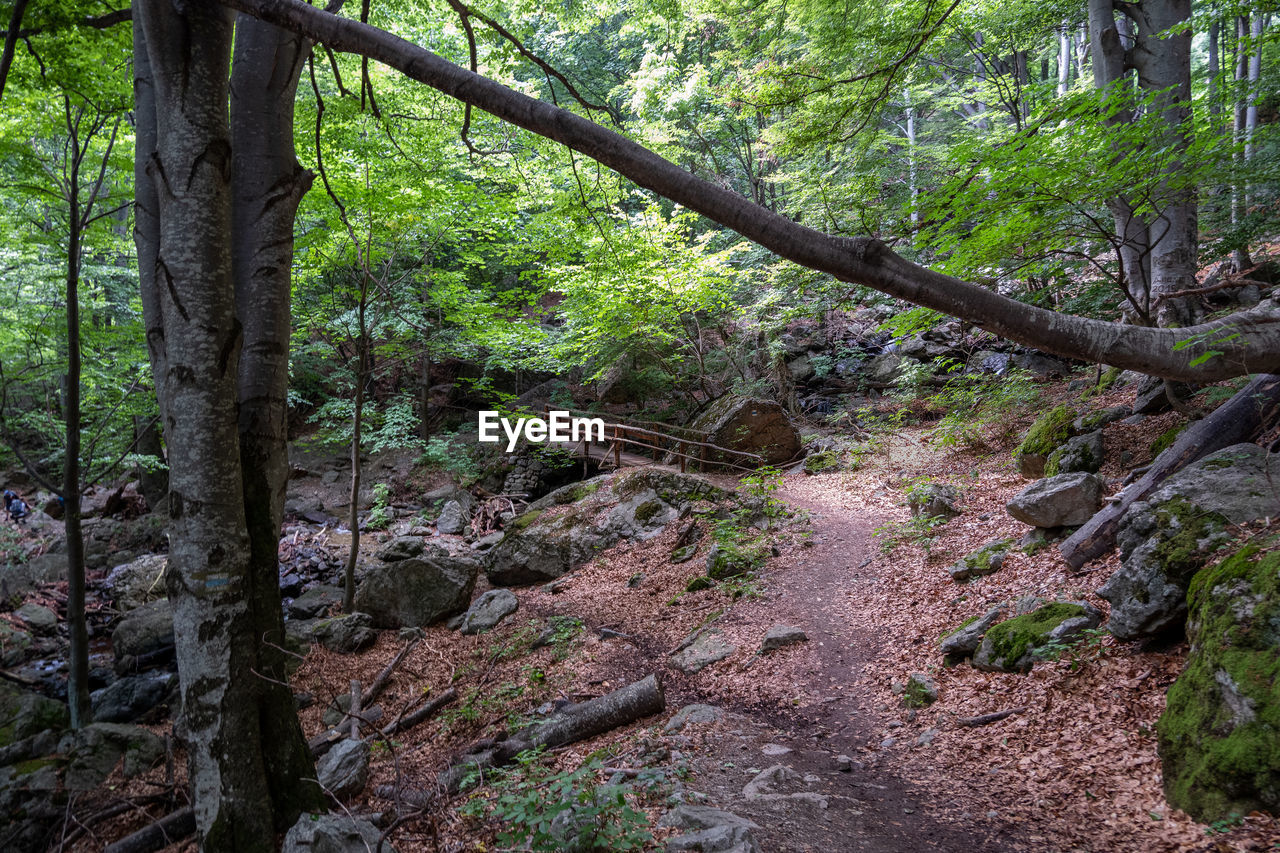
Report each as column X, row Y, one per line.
column 15, row 506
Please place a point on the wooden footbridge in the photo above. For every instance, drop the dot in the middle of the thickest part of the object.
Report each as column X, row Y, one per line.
column 640, row 443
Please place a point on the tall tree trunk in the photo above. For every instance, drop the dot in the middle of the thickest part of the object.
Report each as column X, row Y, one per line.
column 357, row 428
column 235, row 722
column 1064, row 59
column 1239, row 117
column 913, row 178
column 78, row 678
column 268, row 183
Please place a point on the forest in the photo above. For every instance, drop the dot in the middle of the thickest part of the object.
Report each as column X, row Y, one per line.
column 929, row 361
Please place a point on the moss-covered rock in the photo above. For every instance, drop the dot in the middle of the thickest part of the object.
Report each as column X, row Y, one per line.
column 699, row 583
column 1082, row 453
column 1104, row 383
column 727, row 561
column 921, row 691
column 1045, row 435
column 986, row 560
column 817, row 463
column 1016, row 644
column 1219, row 737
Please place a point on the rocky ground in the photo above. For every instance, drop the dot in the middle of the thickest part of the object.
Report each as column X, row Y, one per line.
column 798, row 636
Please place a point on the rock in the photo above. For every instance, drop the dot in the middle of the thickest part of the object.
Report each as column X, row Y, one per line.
column 1150, row 398
column 800, row 369
column 345, row 634
column 134, row 584
column 886, row 368
column 40, row 619
column 1048, row 433
column 695, row 713
column 707, row 829
column 756, row 426
column 23, row 714
column 985, row 561
column 1220, row 732
column 1167, row 538
column 416, row 592
column 635, row 504
column 15, row 645
column 133, row 696
column 845, row 763
column 1067, row 499
column 1082, row 453
column 989, row 361
column 488, row 610
column 344, row 769
column 921, row 691
column 400, row 548
column 1016, row 644
column 701, row 650
column 1097, row 420
column 487, row 541
column 964, row 641
column 933, row 500
column 333, row 833
column 315, row 602
column 94, row 751
column 782, row 635
column 824, row 460
column 729, row 562
column 452, row 519
column 17, row 579
column 1042, row 366
column 145, row 630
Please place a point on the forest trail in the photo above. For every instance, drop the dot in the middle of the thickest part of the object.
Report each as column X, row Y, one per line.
column 873, row 806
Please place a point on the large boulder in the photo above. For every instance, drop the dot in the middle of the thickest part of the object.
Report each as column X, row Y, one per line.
column 1016, row 644
column 134, row 696
column 134, row 584
column 1064, row 500
column 344, row 769
column 1219, row 736
column 488, row 610
column 1048, row 433
column 332, row 833
column 417, row 592
column 546, row 541
column 964, row 641
column 1167, row 538
column 756, row 426
column 1082, row 453
column 144, row 631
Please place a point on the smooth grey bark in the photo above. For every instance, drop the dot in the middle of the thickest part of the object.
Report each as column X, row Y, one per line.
column 237, row 719
column 1064, row 59
column 1247, row 342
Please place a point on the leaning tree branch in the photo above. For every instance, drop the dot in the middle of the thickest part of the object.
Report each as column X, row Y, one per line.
column 1242, row 343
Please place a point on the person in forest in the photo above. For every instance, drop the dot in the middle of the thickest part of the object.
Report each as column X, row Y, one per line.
column 15, row 506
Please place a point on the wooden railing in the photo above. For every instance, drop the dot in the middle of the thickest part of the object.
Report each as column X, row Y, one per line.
column 681, row 444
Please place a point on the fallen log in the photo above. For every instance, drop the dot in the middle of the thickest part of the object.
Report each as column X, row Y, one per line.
column 984, row 719
column 1240, row 419
column 574, row 723
column 428, row 710
column 384, row 678
column 168, row 829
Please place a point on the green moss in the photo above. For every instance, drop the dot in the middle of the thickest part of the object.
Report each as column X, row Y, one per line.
column 527, row 520
column 1109, row 377
column 1166, row 439
column 699, row 583
column 918, row 694
column 1184, row 527
column 25, row 768
column 1221, row 756
column 1086, row 460
column 583, row 490
column 1048, row 432
column 647, row 510
column 1016, row 637
column 984, row 561
column 827, row 460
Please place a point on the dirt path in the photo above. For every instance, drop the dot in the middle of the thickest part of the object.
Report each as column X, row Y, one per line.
column 870, row 803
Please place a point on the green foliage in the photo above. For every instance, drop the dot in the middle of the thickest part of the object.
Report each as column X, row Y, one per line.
column 380, row 513
column 542, row 810
column 1079, row 650
column 450, row 453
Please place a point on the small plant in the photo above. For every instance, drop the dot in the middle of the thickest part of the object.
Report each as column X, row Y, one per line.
column 546, row 811
column 922, row 530
column 11, row 550
column 1077, row 651
column 1225, row 825
column 441, row 453
column 380, row 515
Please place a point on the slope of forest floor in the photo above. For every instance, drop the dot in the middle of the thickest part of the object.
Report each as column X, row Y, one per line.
column 1075, row 768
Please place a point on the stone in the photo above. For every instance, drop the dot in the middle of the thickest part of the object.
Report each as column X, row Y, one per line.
column 416, row 592
column 989, row 361
column 702, row 649
column 886, row 368
column 695, row 713
column 133, row 696
column 94, row 751
column 343, row 771
column 933, row 500
column 1016, row 644
column 15, row 645
column 1082, row 453
column 964, row 641
column 488, row 610
column 400, row 548
column 728, row 562
column 707, row 829
column 452, row 519
column 985, row 561
column 921, row 691
column 1150, row 398
column 134, row 584
column 1219, row 735
column 332, row 833
column 345, row 634
column 823, row 460
column 1042, row 366
column 1165, row 539
column 23, row 714
column 756, row 426
column 315, row 602
column 40, row 619
column 1064, row 500
column 145, row 630
column 1048, row 432
column 782, row 635
column 1097, row 420
column 800, row 368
